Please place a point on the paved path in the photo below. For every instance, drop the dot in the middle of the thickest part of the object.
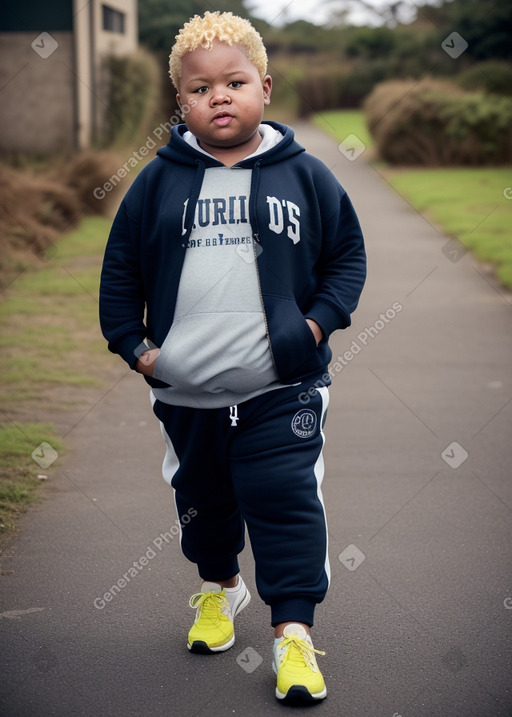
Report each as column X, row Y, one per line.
column 419, row 502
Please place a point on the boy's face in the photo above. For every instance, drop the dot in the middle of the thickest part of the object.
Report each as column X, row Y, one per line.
column 229, row 97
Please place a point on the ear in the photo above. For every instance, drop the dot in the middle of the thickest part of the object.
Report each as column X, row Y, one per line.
column 267, row 89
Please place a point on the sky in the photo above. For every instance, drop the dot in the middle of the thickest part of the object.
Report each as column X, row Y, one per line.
column 278, row 12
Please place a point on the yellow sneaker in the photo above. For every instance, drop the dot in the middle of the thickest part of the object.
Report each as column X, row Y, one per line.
column 299, row 681
column 213, row 629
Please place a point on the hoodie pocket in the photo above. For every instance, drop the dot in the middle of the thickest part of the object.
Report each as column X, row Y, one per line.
column 292, row 341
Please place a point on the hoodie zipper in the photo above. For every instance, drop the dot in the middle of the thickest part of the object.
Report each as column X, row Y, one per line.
column 254, row 223
column 255, row 237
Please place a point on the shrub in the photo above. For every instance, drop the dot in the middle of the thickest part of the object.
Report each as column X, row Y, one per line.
column 491, row 77
column 37, row 208
column 33, row 211
column 86, row 171
column 321, row 89
column 335, row 87
column 132, row 91
column 434, row 123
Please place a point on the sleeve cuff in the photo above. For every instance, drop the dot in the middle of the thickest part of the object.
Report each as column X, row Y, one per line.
column 129, row 348
column 327, row 317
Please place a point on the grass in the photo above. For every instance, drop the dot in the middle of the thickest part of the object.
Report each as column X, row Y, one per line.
column 18, row 468
column 51, row 351
column 342, row 124
column 466, row 203
column 48, row 323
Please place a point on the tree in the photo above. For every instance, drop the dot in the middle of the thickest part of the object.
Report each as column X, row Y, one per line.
column 390, row 13
column 486, row 25
column 160, row 20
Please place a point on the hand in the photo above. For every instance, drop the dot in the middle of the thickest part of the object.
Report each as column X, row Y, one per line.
column 315, row 328
column 146, row 362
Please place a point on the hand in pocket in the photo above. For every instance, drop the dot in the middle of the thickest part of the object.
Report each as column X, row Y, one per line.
column 146, row 362
column 316, row 330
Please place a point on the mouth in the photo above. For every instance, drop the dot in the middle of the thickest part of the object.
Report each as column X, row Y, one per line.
column 222, row 119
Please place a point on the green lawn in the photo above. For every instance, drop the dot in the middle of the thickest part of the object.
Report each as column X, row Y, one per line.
column 19, row 469
column 469, row 204
column 51, row 351
column 472, row 204
column 49, row 332
column 342, row 124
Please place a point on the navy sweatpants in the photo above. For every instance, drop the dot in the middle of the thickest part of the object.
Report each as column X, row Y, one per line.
column 257, row 464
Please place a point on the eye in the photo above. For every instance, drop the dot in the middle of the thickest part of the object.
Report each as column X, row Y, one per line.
column 201, row 90
column 236, row 84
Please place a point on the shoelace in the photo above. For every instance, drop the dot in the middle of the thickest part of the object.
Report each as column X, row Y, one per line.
column 211, row 604
column 303, row 654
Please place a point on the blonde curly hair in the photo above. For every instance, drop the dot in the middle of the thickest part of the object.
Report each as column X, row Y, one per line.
column 225, row 27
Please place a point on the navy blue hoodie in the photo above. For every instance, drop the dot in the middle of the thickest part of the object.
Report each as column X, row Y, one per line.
column 312, row 262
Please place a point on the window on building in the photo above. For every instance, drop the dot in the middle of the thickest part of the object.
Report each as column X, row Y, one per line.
column 113, row 20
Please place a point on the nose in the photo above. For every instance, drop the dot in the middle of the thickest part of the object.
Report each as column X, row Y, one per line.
column 220, row 97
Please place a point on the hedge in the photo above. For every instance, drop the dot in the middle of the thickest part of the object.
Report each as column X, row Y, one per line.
column 336, row 87
column 435, row 123
column 492, row 77
column 132, row 93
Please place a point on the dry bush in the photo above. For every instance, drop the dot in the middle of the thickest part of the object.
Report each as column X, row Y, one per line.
column 87, row 171
column 35, row 209
column 388, row 112
column 435, row 123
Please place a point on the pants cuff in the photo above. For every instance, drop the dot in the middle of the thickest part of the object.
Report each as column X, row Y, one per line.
column 220, row 570
column 293, row 610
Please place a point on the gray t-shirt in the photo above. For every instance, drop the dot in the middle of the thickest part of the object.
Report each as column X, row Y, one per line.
column 217, row 352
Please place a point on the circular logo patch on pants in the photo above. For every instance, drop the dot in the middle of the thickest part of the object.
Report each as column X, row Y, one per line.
column 304, row 423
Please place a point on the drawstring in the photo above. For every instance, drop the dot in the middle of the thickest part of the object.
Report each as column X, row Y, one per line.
column 233, row 414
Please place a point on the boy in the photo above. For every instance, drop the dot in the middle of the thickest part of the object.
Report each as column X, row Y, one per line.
column 246, row 254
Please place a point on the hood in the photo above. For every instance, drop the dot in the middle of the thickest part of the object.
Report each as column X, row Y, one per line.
column 179, row 151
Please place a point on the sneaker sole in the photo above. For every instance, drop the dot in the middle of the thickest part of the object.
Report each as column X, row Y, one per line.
column 199, row 647
column 300, row 695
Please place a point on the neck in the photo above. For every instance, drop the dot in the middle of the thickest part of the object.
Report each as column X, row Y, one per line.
column 231, row 155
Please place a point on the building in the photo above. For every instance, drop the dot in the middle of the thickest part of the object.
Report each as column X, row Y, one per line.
column 52, row 88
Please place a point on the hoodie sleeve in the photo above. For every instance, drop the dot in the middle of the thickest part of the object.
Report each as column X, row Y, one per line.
column 122, row 300
column 342, row 267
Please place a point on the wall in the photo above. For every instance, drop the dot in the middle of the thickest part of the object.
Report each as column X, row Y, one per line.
column 37, row 92
column 109, row 43
column 51, row 94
